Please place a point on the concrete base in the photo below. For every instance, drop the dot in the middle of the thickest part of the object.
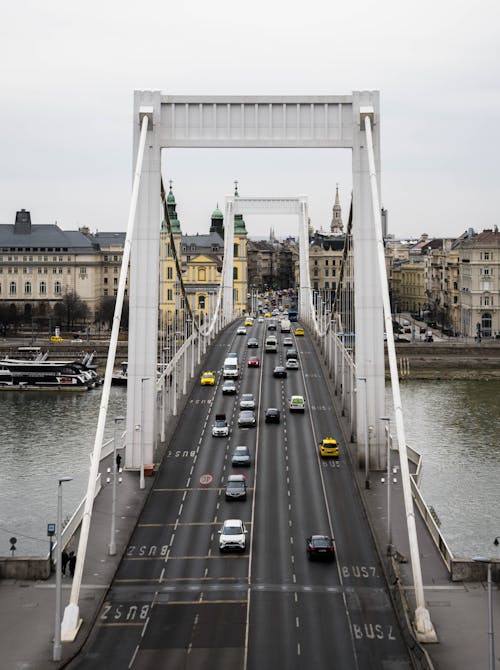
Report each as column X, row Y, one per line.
column 71, row 623
column 424, row 630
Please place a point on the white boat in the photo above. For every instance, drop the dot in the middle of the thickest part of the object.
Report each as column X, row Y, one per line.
column 19, row 374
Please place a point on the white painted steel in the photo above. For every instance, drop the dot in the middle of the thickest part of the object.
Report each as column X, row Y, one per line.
column 227, row 264
column 70, row 623
column 423, row 624
column 368, row 309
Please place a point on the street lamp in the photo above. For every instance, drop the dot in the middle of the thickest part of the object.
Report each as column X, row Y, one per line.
column 112, row 543
column 56, row 656
column 141, row 476
column 491, row 642
column 388, row 443
column 367, row 479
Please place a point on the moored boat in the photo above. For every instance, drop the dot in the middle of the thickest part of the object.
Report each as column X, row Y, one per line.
column 19, row 374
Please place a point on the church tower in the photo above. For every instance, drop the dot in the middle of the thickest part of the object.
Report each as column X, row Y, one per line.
column 240, row 262
column 336, row 226
column 169, row 293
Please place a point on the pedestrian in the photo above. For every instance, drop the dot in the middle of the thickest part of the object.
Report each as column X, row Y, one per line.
column 118, row 462
column 64, row 561
column 72, row 563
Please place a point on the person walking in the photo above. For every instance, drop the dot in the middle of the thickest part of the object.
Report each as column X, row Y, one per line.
column 64, row 561
column 72, row 563
column 118, row 462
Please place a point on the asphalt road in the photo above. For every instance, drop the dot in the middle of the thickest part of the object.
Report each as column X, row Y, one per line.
column 176, row 602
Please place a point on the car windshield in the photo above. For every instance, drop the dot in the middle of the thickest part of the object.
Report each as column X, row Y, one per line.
column 321, row 542
column 236, row 485
column 247, row 396
column 241, row 451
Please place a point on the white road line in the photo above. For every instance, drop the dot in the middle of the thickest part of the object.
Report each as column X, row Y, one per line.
column 291, row 540
column 176, row 523
column 133, row 657
column 161, row 575
column 172, row 537
column 297, row 623
column 144, row 627
column 298, row 648
column 292, row 558
column 184, row 496
column 290, row 522
column 188, row 482
column 180, row 510
column 294, row 578
column 296, row 597
column 206, row 572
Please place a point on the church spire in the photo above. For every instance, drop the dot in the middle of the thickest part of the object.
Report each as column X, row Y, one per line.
column 336, row 226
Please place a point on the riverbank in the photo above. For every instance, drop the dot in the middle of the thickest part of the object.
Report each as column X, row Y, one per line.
column 448, row 359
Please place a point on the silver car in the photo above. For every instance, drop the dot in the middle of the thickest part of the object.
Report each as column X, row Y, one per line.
column 292, row 364
column 247, row 401
column 233, row 536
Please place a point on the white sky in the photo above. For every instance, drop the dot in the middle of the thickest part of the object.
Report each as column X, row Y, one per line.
column 69, row 69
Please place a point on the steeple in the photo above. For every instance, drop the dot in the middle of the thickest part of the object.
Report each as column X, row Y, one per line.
column 239, row 223
column 336, row 226
column 172, row 213
column 217, row 225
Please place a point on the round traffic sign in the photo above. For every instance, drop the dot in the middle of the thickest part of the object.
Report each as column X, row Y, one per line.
column 206, row 479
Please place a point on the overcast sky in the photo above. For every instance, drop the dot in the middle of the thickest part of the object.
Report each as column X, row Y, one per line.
column 69, row 69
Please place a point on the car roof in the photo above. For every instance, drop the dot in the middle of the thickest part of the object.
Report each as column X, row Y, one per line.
column 241, row 446
column 236, row 478
column 233, row 522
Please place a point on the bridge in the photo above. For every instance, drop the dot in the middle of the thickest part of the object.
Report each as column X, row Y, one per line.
column 269, row 607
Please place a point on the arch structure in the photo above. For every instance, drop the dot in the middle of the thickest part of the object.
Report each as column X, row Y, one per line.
column 322, row 122
column 268, row 206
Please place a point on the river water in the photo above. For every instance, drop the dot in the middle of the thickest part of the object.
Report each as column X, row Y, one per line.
column 454, row 425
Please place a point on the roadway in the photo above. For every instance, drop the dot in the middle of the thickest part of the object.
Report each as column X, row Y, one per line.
column 176, row 602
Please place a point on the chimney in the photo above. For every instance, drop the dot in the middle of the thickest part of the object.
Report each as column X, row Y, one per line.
column 22, row 226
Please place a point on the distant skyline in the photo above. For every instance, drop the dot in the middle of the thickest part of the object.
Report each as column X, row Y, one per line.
column 66, row 113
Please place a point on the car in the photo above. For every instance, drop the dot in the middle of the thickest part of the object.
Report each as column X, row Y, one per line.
column 320, row 547
column 260, row 319
column 246, row 418
column 233, row 536
column 253, row 362
column 287, row 342
column 268, row 315
column 247, row 401
column 328, row 447
column 279, row 371
column 248, row 322
column 252, row 343
column 292, row 364
column 207, row 378
column 56, row 338
column 292, row 353
column 299, row 331
column 236, row 488
column 241, row 330
column 296, row 403
column 271, row 325
column 220, row 427
column 229, row 387
column 272, row 415
column 241, row 456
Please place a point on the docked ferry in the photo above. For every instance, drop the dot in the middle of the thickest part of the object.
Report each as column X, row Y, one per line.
column 18, row 374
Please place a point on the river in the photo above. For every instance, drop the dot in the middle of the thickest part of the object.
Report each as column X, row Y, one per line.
column 454, row 425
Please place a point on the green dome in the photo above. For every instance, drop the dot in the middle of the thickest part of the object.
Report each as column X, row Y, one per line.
column 239, row 224
column 217, row 214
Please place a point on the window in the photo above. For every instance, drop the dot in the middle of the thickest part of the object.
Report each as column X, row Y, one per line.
column 236, row 250
column 326, row 262
column 46, row 259
column 486, row 301
column 27, row 287
column 105, row 292
column 105, row 269
column 169, row 294
column 105, row 280
column 106, row 259
column 54, row 271
column 115, row 258
column 169, row 273
column 115, row 281
column 486, row 325
column 115, row 270
column 57, row 288
column 201, row 302
column 42, row 288
column 12, row 288
column 83, row 271
column 115, row 291
column 235, row 273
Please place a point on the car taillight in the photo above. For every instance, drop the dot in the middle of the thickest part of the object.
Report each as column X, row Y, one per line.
column 330, row 548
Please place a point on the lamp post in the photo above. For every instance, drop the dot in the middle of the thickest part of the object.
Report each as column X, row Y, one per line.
column 112, row 543
column 388, row 443
column 56, row 655
column 367, row 479
column 491, row 642
column 141, row 476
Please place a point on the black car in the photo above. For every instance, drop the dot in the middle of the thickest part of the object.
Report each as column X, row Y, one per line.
column 292, row 353
column 272, row 415
column 279, row 371
column 320, row 547
column 252, row 343
column 246, row 418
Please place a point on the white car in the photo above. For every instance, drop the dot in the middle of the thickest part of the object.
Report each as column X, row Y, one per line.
column 247, row 401
column 297, row 403
column 241, row 331
column 220, row 427
column 233, row 536
column 292, row 364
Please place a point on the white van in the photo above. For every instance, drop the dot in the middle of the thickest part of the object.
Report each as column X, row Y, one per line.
column 271, row 344
column 231, row 369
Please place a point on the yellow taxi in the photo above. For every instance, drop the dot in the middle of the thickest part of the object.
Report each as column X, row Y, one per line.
column 56, row 338
column 268, row 315
column 207, row 379
column 299, row 331
column 328, row 447
column 249, row 322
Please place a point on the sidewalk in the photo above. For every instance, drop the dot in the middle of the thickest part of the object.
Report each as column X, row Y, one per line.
column 27, row 608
